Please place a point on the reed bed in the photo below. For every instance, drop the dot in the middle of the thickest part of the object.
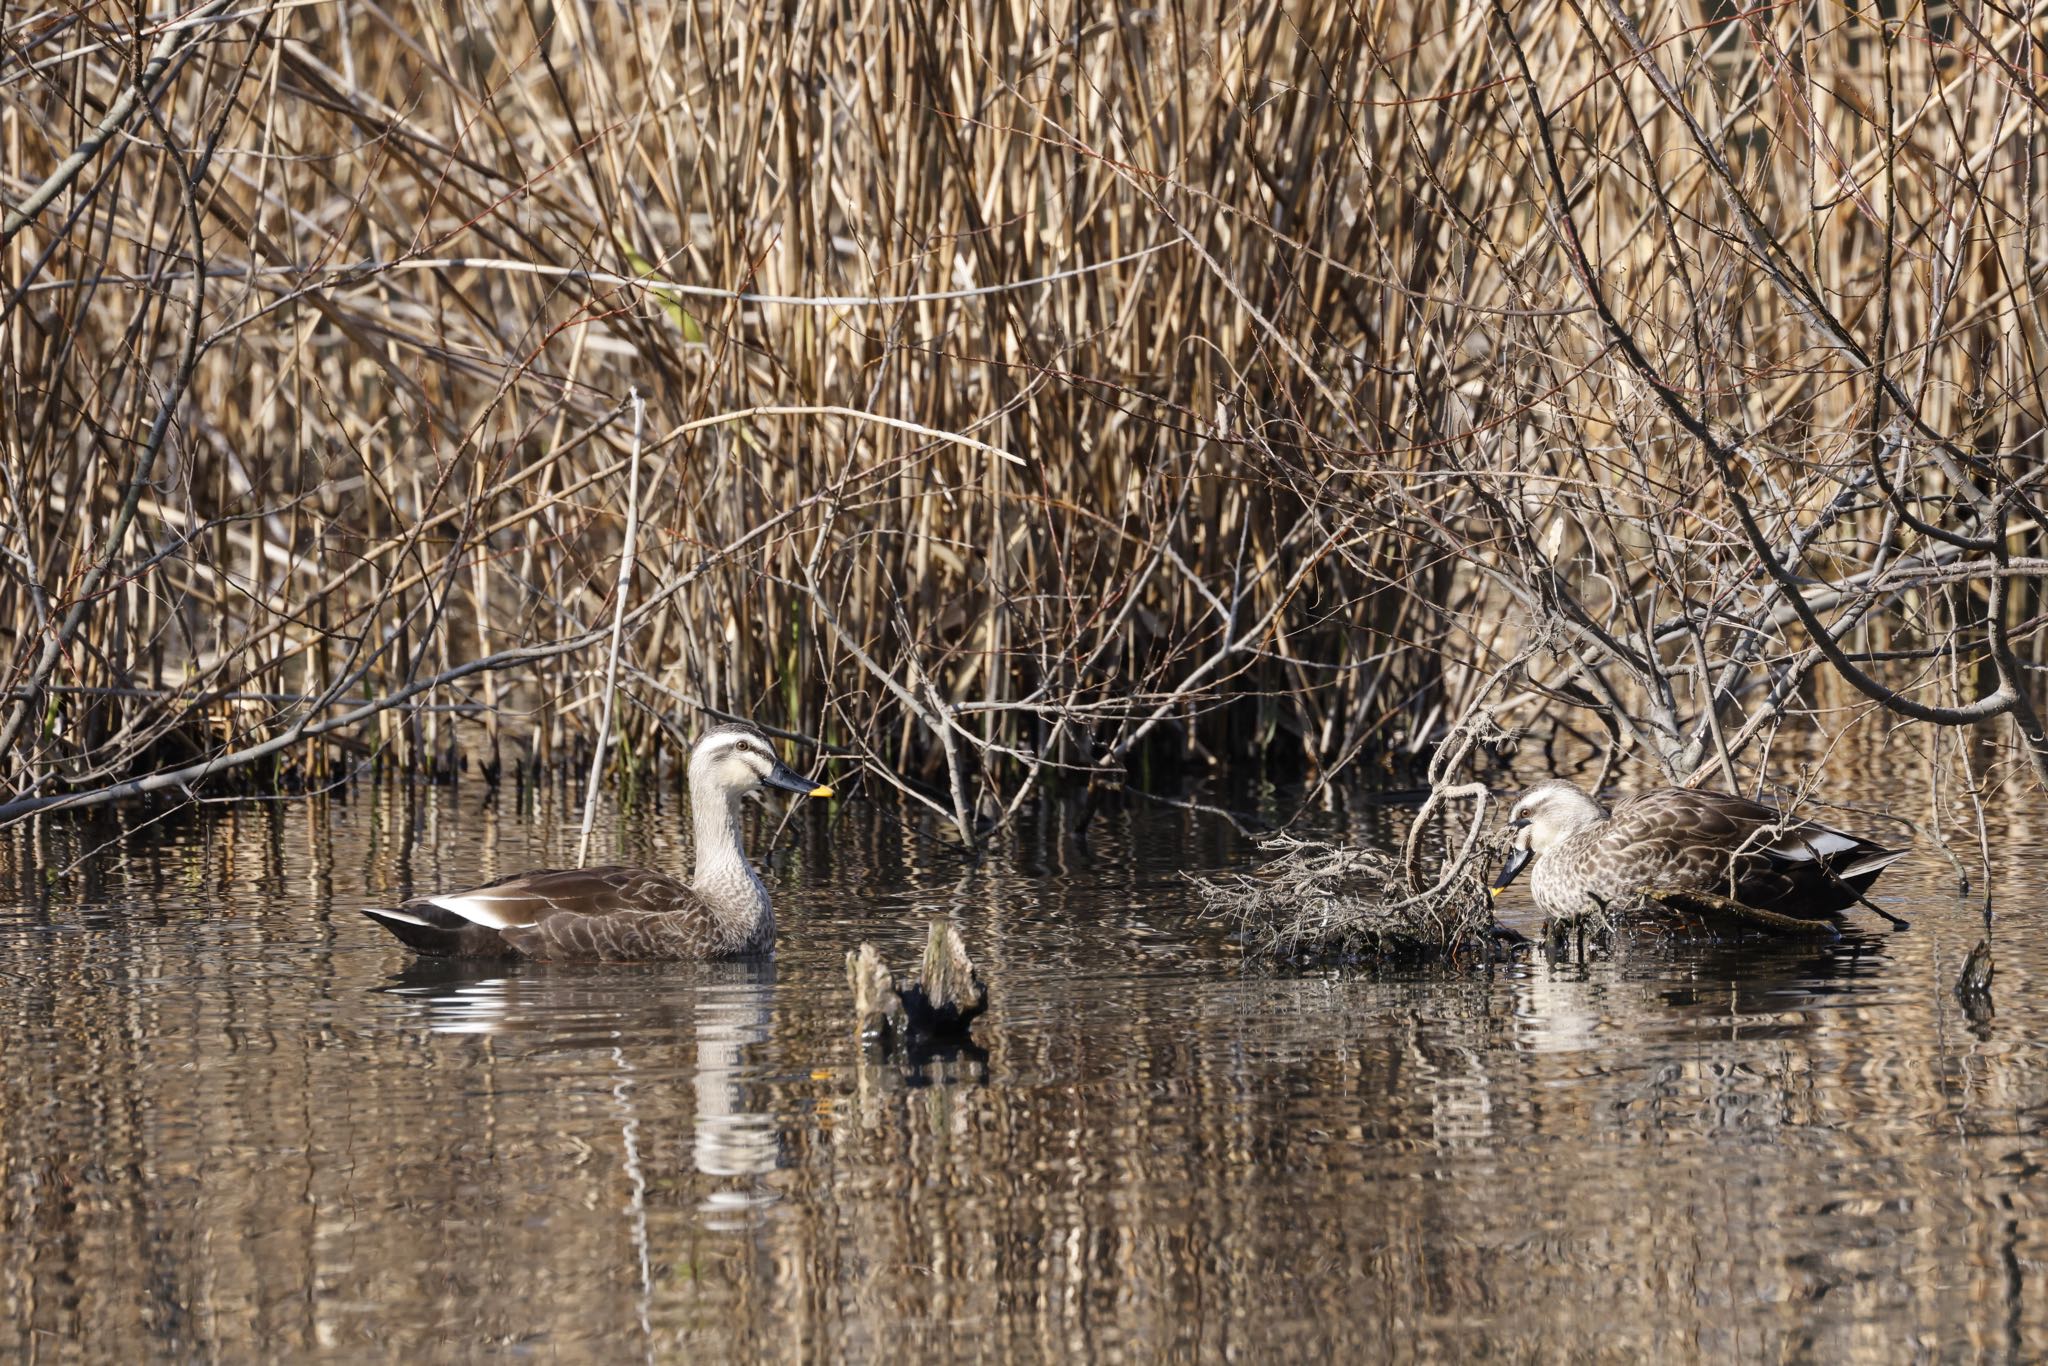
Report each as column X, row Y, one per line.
column 1012, row 395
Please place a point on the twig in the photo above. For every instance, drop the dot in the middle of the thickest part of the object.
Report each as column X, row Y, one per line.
column 611, row 669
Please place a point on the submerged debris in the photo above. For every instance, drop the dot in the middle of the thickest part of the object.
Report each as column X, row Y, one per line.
column 1691, row 901
column 1973, row 986
column 934, row 1007
column 1315, row 901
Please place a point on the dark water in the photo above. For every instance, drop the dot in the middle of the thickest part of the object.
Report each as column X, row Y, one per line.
column 236, row 1122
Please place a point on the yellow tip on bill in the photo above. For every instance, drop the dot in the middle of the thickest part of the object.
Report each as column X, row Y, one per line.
column 821, row 791
column 1495, row 891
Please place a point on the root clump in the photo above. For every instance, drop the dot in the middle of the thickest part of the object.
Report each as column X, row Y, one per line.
column 1314, row 902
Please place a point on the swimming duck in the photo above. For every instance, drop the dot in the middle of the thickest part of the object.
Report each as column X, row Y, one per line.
column 625, row 915
column 1676, row 840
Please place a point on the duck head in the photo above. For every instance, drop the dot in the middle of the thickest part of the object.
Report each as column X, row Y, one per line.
column 1540, row 817
column 737, row 759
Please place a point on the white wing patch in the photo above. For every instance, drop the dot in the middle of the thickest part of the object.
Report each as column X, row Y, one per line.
column 484, row 907
column 1811, row 842
column 1874, row 864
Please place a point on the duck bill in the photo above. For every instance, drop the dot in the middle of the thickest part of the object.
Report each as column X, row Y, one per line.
column 789, row 780
column 1517, row 861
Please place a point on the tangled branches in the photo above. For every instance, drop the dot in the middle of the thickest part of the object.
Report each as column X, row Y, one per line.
column 1029, row 396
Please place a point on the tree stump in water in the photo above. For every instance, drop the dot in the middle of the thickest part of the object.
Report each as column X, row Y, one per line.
column 935, row 1006
column 877, row 1008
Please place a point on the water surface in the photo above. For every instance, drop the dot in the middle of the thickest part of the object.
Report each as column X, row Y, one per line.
column 236, row 1120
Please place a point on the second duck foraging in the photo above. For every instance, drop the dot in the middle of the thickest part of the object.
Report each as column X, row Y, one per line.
column 625, row 915
column 1675, row 844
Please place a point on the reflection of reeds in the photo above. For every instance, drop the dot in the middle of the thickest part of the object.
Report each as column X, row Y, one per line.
column 1314, row 427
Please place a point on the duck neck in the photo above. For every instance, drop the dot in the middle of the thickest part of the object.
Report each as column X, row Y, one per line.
column 724, row 880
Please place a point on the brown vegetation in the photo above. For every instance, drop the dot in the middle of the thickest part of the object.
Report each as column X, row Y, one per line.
column 1009, row 392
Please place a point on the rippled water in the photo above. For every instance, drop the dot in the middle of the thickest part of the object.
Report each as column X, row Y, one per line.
column 240, row 1122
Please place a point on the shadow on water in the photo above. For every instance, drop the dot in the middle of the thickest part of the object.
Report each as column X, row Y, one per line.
column 237, row 1121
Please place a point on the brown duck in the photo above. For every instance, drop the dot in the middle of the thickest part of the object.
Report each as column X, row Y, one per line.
column 1677, row 840
column 626, row 915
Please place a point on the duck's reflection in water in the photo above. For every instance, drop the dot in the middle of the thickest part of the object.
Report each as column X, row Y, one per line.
column 455, row 995
column 1665, row 986
column 727, row 1006
column 731, row 1140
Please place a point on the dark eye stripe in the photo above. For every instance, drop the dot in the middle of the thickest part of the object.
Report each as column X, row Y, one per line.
column 749, row 747
column 740, row 742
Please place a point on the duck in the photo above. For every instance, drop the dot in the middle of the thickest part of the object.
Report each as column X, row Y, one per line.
column 624, row 915
column 1677, row 840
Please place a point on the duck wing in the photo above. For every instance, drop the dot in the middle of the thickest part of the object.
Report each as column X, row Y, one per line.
column 495, row 920
column 625, row 937
column 1747, row 850
column 528, row 898
column 1677, row 838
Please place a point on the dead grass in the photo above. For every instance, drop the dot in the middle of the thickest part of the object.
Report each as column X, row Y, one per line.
column 1031, row 390
column 1318, row 902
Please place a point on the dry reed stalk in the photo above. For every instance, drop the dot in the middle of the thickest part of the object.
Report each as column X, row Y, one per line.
column 621, row 590
column 1691, row 359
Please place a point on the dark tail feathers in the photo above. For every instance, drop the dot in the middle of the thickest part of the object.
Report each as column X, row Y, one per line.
column 440, row 941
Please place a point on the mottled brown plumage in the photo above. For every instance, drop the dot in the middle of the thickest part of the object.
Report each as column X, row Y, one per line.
column 599, row 915
column 1680, row 840
column 624, row 915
